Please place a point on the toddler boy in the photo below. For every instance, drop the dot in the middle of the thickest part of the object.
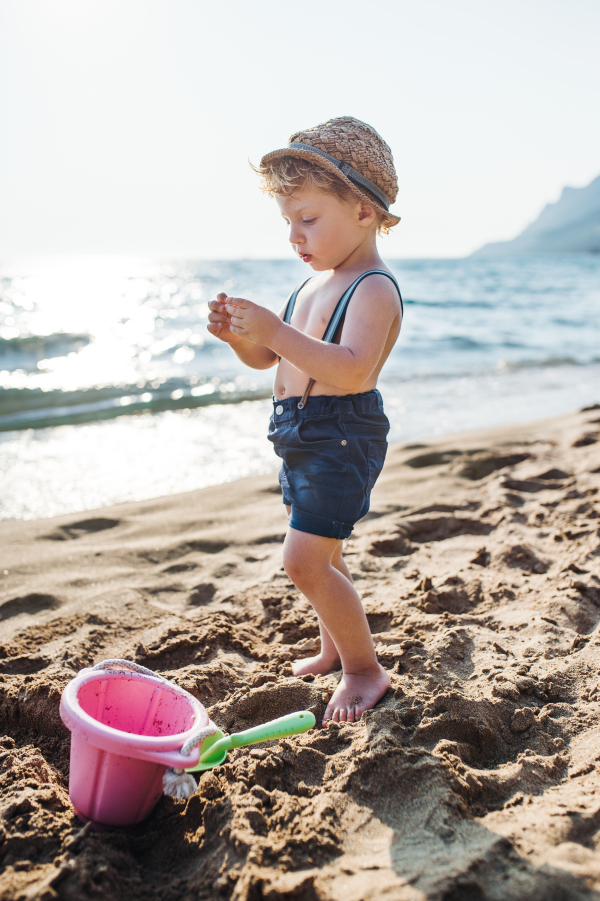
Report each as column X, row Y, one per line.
column 334, row 185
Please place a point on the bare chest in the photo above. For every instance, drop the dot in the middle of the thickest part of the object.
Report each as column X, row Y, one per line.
column 312, row 315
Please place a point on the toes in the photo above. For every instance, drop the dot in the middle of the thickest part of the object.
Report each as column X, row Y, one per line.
column 358, row 712
column 343, row 715
column 328, row 714
column 336, row 715
column 350, row 716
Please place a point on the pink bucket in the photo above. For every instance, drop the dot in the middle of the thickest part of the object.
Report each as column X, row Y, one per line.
column 126, row 729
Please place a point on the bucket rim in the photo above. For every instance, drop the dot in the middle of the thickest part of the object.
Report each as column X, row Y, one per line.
column 73, row 715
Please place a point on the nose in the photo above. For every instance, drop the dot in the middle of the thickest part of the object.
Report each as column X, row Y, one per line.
column 296, row 236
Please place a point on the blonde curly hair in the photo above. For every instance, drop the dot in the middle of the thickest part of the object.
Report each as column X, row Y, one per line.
column 281, row 176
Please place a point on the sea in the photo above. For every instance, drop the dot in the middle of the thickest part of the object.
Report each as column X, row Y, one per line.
column 111, row 388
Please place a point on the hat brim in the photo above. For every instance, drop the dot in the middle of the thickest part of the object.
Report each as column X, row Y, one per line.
column 389, row 218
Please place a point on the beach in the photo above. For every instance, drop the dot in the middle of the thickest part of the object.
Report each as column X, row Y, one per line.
column 477, row 775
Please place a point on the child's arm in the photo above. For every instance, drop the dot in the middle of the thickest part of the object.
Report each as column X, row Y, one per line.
column 369, row 320
column 257, row 356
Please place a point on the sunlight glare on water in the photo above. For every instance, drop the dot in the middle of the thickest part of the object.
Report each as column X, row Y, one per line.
column 86, row 340
column 59, row 470
column 91, row 297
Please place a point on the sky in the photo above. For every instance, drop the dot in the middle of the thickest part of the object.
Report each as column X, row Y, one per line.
column 126, row 126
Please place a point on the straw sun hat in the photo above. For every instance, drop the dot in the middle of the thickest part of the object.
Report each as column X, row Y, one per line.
column 354, row 152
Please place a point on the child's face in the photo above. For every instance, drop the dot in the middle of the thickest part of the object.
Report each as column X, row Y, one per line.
column 325, row 230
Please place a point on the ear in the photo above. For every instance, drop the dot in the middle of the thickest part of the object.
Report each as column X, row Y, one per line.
column 366, row 215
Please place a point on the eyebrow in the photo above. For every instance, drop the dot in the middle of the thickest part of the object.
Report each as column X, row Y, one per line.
column 302, row 209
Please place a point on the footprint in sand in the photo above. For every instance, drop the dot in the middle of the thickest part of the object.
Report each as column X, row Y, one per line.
column 520, row 556
column 586, row 440
column 30, row 603
column 180, row 567
column 79, row 529
column 24, row 665
column 433, row 458
column 202, row 594
column 483, row 464
column 175, row 552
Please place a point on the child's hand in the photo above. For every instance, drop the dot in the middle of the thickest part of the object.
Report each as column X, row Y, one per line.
column 251, row 321
column 219, row 320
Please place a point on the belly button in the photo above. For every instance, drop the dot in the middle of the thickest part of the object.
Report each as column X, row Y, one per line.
column 282, row 390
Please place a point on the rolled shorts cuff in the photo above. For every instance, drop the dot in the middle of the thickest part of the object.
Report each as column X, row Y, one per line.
column 304, row 521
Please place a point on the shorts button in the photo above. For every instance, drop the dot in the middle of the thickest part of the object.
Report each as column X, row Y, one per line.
column 344, row 443
column 279, row 410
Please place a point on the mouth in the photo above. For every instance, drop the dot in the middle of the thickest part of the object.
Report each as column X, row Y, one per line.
column 306, row 257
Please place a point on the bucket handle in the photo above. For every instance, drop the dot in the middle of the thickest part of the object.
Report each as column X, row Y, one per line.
column 176, row 781
column 125, row 666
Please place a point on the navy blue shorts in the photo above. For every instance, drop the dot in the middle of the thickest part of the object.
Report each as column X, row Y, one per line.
column 333, row 451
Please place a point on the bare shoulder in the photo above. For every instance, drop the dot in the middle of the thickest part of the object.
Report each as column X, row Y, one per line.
column 381, row 290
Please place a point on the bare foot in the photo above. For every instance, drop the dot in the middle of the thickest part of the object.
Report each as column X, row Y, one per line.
column 318, row 665
column 354, row 695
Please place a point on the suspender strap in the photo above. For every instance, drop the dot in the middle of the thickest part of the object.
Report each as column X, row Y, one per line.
column 289, row 310
column 338, row 313
column 342, row 304
column 338, row 316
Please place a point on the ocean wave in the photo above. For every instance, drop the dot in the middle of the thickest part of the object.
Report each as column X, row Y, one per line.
column 34, row 408
column 27, row 408
column 451, row 303
column 546, row 363
column 24, row 351
column 429, row 347
column 500, row 367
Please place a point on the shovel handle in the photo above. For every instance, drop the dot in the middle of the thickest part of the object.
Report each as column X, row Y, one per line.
column 291, row 724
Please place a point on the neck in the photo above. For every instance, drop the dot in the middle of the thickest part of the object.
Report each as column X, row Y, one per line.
column 364, row 256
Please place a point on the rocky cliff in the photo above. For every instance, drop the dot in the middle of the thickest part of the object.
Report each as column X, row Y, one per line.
column 572, row 225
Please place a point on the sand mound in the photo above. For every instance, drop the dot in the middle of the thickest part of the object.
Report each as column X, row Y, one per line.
column 476, row 776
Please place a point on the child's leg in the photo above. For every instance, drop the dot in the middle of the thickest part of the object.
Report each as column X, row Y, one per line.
column 308, row 560
column 328, row 658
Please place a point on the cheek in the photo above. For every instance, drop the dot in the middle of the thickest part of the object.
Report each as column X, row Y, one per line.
column 324, row 235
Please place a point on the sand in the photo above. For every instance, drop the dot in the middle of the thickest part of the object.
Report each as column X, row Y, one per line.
column 476, row 777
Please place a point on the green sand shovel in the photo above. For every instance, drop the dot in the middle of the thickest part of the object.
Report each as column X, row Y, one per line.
column 215, row 747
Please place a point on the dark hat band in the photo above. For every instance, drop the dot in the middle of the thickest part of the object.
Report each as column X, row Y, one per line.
column 357, row 177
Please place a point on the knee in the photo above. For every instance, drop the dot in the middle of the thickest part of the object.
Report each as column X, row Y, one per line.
column 293, row 564
column 299, row 566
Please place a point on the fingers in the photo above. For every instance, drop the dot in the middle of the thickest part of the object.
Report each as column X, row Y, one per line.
column 224, row 299
column 239, row 302
column 218, row 306
column 218, row 317
column 221, row 323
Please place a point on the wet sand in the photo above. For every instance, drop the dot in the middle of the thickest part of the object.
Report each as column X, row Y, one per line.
column 477, row 776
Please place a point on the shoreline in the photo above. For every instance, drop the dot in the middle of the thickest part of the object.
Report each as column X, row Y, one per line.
column 62, row 470
column 479, row 568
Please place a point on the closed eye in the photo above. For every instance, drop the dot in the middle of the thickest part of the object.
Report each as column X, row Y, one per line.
column 308, row 221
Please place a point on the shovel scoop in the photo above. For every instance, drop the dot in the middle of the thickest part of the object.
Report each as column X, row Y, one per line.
column 215, row 747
